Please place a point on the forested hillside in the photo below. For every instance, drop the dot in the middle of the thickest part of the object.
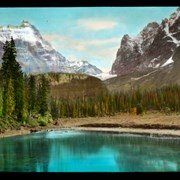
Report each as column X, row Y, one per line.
column 36, row 100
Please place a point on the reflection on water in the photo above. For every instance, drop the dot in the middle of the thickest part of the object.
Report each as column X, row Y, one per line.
column 74, row 151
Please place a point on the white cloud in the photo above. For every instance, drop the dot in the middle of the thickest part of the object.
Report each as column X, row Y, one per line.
column 65, row 42
column 108, row 53
column 97, row 24
column 102, row 50
column 78, row 44
column 104, row 41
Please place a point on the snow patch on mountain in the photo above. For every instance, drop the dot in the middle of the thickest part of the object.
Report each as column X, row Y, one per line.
column 105, row 75
column 174, row 40
column 137, row 78
column 169, row 61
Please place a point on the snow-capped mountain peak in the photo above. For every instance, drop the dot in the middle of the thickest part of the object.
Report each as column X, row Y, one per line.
column 24, row 32
column 153, row 47
column 26, row 24
column 171, row 26
column 36, row 55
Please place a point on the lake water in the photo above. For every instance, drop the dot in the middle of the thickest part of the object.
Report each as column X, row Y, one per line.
column 76, row 151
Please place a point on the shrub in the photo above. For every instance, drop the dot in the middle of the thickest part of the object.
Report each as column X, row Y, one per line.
column 32, row 123
column 133, row 110
column 139, row 109
column 42, row 123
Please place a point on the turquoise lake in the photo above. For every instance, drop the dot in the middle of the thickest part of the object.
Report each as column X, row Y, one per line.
column 78, row 151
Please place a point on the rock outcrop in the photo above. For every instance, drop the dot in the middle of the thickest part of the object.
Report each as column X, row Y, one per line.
column 153, row 48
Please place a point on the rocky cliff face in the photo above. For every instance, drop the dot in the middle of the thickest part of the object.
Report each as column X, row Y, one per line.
column 36, row 55
column 152, row 48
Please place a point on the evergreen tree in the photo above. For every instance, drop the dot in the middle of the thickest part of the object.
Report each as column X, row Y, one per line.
column 1, row 101
column 5, row 77
column 43, row 90
column 54, row 109
column 32, row 93
column 18, row 79
column 10, row 98
column 13, row 85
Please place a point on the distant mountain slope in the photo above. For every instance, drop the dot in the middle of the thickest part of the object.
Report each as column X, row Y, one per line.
column 151, row 59
column 151, row 49
column 167, row 75
column 36, row 55
column 74, row 85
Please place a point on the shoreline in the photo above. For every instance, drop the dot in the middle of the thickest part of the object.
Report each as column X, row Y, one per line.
column 148, row 132
column 152, row 124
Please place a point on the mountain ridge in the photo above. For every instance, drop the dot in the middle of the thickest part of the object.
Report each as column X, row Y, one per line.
column 151, row 49
column 36, row 55
column 149, row 60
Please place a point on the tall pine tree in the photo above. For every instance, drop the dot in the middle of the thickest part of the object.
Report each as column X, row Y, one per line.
column 13, row 84
column 32, row 93
column 42, row 95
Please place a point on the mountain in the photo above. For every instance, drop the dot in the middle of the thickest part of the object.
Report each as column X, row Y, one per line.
column 74, row 85
column 151, row 49
column 149, row 60
column 36, row 55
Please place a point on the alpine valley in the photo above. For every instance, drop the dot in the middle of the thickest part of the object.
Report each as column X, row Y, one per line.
column 151, row 59
column 69, row 116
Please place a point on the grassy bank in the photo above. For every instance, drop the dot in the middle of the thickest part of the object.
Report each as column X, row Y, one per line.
column 150, row 123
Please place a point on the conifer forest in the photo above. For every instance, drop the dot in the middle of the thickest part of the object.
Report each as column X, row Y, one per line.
column 25, row 99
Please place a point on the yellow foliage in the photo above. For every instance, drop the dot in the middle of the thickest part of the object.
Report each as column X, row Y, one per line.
column 133, row 110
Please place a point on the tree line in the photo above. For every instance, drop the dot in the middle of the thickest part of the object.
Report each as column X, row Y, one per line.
column 166, row 100
column 26, row 99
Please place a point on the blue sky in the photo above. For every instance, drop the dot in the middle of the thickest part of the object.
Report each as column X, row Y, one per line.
column 86, row 33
